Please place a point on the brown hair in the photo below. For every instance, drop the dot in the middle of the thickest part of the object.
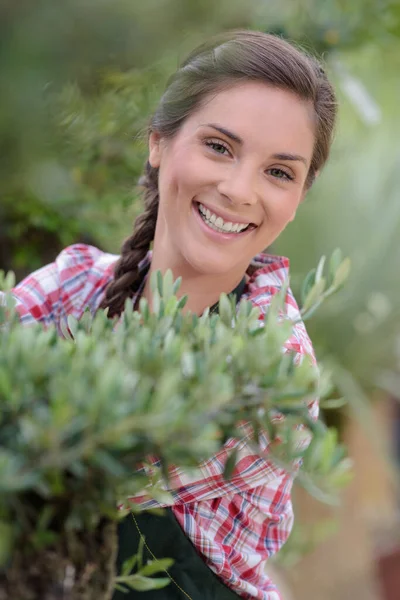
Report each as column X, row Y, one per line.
column 226, row 59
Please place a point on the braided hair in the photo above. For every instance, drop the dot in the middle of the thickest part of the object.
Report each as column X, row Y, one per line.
column 226, row 59
column 134, row 249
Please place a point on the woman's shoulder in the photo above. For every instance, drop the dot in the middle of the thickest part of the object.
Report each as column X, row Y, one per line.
column 76, row 279
column 268, row 269
column 83, row 265
column 84, row 271
column 268, row 274
column 85, row 255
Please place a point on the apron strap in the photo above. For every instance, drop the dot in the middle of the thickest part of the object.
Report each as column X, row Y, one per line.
column 192, row 578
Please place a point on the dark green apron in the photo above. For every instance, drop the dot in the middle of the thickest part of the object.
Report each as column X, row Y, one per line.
column 166, row 539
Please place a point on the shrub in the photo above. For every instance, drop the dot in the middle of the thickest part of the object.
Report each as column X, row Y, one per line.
column 80, row 415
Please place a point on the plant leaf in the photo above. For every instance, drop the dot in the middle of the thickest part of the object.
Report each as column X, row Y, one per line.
column 308, row 283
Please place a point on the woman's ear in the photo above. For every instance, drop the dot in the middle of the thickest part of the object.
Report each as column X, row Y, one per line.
column 154, row 149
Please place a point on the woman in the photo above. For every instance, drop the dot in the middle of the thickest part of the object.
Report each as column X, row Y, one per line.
column 239, row 136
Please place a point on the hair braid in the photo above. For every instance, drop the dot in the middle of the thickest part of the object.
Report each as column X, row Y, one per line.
column 134, row 249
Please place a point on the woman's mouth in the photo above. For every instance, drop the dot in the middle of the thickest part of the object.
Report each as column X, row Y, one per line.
column 217, row 224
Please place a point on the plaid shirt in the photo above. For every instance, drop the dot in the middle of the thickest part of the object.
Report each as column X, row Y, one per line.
column 235, row 525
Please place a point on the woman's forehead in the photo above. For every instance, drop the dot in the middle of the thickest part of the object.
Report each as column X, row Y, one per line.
column 259, row 114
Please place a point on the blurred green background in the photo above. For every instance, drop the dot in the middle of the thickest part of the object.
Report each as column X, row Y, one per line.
column 78, row 80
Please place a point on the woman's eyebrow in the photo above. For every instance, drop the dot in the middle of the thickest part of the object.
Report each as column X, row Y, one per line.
column 285, row 156
column 236, row 138
column 224, row 131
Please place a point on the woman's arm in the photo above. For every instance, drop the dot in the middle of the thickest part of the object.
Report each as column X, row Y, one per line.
column 207, row 481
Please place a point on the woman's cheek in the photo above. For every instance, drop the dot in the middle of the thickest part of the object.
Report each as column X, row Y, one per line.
column 280, row 217
column 199, row 169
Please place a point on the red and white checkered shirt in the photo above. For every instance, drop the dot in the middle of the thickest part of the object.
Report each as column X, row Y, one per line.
column 235, row 525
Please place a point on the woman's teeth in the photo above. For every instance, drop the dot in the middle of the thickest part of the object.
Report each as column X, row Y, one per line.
column 219, row 224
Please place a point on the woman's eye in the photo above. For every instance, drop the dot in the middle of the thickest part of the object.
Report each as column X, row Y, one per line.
column 217, row 147
column 281, row 174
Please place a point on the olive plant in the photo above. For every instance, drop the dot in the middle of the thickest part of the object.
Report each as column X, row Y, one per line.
column 80, row 414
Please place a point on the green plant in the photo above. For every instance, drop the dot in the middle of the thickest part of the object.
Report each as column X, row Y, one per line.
column 69, row 452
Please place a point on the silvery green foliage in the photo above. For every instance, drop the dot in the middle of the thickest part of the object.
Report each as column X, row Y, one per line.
column 79, row 414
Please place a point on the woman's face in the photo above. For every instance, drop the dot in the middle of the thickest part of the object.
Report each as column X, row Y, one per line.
column 232, row 177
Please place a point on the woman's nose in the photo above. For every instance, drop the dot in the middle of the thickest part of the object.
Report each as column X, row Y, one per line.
column 239, row 185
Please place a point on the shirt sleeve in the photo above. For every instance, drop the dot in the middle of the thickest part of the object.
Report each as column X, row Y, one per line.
column 207, row 481
column 262, row 524
column 238, row 533
column 76, row 279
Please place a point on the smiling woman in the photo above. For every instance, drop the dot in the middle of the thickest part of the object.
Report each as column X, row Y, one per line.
column 244, row 156
column 238, row 137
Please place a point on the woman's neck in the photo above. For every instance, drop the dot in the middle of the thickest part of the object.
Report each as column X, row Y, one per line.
column 202, row 289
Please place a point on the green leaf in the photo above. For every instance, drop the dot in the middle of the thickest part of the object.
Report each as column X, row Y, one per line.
column 168, row 284
column 334, row 263
column 153, row 567
column 64, row 329
column 308, row 283
column 160, row 286
column 157, row 303
column 225, row 310
column 325, row 384
column 333, row 403
column 342, row 475
column 9, row 281
column 72, row 325
column 154, row 281
column 342, row 273
column 120, row 588
column 160, row 495
column 182, row 302
column 87, row 320
column 143, row 584
column 314, row 295
column 277, row 304
column 139, row 553
column 311, row 457
column 320, row 268
column 9, row 301
column 144, row 308
column 326, row 451
column 188, row 364
column 230, row 464
column 244, row 309
column 177, row 285
column 128, row 564
column 170, row 306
